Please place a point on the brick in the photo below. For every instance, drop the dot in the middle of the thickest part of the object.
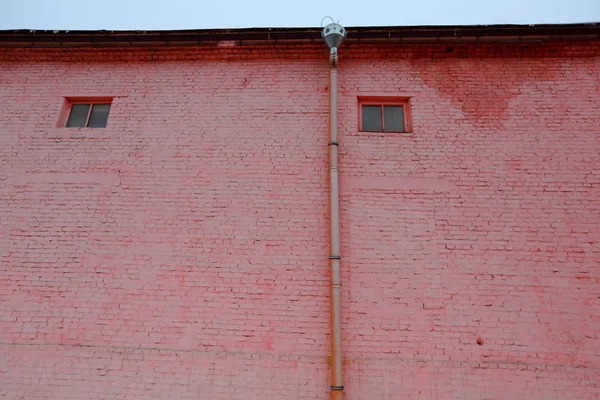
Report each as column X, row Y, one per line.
column 181, row 252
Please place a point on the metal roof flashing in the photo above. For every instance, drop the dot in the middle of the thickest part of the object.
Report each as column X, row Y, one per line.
column 215, row 37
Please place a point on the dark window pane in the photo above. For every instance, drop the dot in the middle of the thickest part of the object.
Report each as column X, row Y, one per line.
column 393, row 118
column 99, row 115
column 78, row 115
column 371, row 118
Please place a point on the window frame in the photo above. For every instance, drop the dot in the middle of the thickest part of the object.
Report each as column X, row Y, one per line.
column 68, row 104
column 382, row 101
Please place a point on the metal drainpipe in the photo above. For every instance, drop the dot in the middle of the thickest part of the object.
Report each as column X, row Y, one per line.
column 334, row 35
column 334, row 243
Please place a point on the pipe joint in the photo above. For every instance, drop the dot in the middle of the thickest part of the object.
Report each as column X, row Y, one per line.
column 333, row 57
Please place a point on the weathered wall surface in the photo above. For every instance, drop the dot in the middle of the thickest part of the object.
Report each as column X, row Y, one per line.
column 181, row 252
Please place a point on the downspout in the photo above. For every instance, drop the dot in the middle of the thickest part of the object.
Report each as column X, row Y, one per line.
column 334, row 34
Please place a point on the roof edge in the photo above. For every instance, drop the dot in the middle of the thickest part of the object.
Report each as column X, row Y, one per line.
column 428, row 34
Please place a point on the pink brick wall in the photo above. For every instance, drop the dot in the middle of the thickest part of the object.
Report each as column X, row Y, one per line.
column 182, row 251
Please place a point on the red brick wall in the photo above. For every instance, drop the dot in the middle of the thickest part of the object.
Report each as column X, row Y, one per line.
column 182, row 251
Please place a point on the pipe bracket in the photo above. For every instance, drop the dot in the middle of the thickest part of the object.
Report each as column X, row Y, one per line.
column 337, row 387
column 335, row 257
column 333, row 144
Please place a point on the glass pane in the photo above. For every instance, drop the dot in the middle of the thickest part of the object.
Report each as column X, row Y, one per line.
column 371, row 118
column 99, row 115
column 393, row 118
column 78, row 115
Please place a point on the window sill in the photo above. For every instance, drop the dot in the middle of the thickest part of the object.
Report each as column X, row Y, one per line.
column 384, row 133
column 367, row 131
column 77, row 133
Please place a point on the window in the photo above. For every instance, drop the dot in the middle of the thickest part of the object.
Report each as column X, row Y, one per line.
column 86, row 113
column 384, row 114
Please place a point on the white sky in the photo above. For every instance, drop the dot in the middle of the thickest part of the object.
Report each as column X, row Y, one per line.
column 190, row 14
